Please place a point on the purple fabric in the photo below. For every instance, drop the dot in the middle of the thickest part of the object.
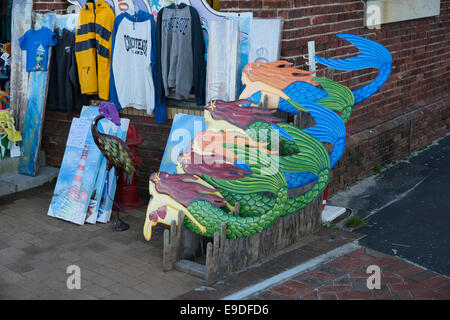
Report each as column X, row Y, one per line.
column 109, row 111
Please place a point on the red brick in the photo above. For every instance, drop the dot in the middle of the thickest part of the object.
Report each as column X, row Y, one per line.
column 335, row 288
column 328, row 296
column 310, row 296
column 437, row 282
column 325, row 277
column 300, row 288
column 283, row 291
column 355, row 295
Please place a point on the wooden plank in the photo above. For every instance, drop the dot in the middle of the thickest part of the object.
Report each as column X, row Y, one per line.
column 21, row 22
column 34, row 118
column 225, row 256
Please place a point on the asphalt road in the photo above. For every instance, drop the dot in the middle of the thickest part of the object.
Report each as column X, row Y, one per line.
column 407, row 207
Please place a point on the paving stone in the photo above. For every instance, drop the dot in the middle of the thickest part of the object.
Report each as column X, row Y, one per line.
column 8, row 276
column 355, row 295
column 437, row 282
column 421, row 275
column 322, row 276
column 70, row 256
column 310, row 296
column 97, row 278
column 120, row 291
column 335, row 289
column 96, row 291
column 404, row 272
column 19, row 267
column 285, row 292
column 341, row 281
column 36, row 275
column 312, row 282
column 12, row 252
column 327, row 269
column 6, row 260
column 16, row 292
column 359, row 284
column 327, row 296
column 266, row 295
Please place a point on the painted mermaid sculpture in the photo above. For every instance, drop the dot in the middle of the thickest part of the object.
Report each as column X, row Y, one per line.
column 294, row 91
column 251, row 156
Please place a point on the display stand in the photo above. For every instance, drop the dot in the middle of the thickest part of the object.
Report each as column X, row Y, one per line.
column 225, row 256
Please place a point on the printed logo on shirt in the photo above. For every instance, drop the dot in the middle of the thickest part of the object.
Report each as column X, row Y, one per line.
column 175, row 25
column 137, row 46
column 39, row 57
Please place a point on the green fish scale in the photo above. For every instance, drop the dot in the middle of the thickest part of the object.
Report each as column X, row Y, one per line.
column 250, row 205
column 211, row 217
column 286, row 146
column 295, row 204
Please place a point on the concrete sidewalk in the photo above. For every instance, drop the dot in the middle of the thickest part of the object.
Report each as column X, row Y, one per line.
column 35, row 251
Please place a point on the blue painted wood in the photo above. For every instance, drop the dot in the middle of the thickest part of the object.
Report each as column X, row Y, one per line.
column 33, row 123
column 76, row 178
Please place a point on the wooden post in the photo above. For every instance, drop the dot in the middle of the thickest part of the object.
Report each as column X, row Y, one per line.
column 213, row 252
column 172, row 243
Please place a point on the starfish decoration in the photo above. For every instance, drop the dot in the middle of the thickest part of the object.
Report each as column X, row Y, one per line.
column 248, row 68
column 157, row 178
column 212, row 105
column 186, row 157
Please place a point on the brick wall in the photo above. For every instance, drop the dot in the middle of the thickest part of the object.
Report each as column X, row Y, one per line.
column 409, row 112
column 59, row 6
column 415, row 96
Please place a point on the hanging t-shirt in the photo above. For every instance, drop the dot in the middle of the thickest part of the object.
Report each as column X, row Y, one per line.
column 180, row 51
column 37, row 43
column 133, row 62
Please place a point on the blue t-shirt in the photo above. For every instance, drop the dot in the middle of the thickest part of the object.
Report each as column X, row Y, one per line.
column 37, row 43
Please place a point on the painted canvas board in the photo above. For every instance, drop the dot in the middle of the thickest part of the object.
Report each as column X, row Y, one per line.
column 77, row 175
column 265, row 43
column 34, row 117
column 67, row 21
column 222, row 67
column 184, row 128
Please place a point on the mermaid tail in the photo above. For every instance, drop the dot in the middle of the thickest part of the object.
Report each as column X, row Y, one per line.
column 373, row 55
column 318, row 163
column 329, row 128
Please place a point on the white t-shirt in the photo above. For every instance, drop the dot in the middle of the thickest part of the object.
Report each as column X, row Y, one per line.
column 131, row 64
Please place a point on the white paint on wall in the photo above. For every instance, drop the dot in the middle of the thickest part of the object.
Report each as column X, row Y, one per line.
column 386, row 11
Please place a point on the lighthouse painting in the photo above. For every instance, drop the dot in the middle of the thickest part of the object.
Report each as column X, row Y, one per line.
column 75, row 191
column 77, row 175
